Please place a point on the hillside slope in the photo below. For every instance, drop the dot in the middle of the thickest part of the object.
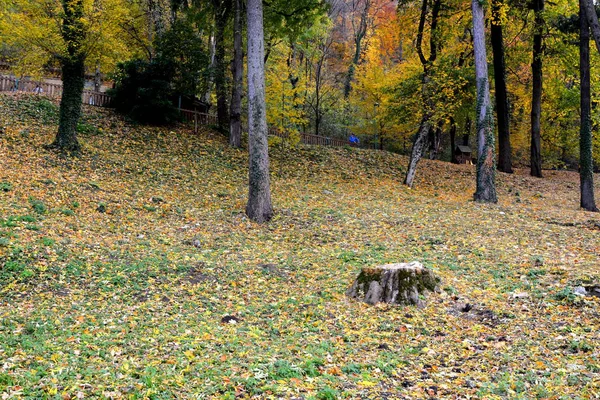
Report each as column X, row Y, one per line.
column 117, row 267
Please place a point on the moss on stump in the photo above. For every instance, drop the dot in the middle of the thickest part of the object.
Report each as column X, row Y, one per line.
column 402, row 283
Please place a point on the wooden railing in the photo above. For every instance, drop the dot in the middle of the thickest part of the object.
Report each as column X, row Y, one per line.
column 54, row 90
column 100, row 99
column 198, row 118
column 317, row 140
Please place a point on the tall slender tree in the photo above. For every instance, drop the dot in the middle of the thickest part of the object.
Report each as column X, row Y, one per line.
column 486, row 165
column 359, row 27
column 222, row 10
column 502, row 109
column 237, row 70
column 259, row 207
column 586, row 169
column 421, row 137
column 536, row 99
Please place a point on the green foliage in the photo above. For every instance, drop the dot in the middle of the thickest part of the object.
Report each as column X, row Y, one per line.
column 5, row 186
column 183, row 48
column 284, row 370
column 37, row 205
column 327, row 394
column 146, row 91
column 143, row 91
column 126, row 301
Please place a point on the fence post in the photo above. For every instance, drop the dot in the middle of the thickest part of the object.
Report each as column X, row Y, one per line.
column 195, row 120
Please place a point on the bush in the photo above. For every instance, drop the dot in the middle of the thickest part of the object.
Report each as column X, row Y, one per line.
column 143, row 91
column 146, row 91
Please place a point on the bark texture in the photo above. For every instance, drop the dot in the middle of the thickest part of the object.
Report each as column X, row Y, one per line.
column 73, row 77
column 237, row 70
column 404, row 283
column 259, row 206
column 421, row 137
column 536, row 99
column 592, row 18
column 486, row 163
column 502, row 110
column 222, row 10
column 417, row 150
column 586, row 168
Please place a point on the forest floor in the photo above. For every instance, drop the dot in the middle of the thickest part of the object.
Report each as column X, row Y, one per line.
column 119, row 268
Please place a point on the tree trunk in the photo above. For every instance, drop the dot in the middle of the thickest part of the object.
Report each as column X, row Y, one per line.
column 237, row 70
column 536, row 100
column 452, row 141
column 592, row 18
column 97, row 80
column 417, row 150
column 259, row 206
column 403, row 283
column 486, row 163
column 421, row 136
column 206, row 96
column 586, row 168
column 504, row 152
column 467, row 133
column 73, row 77
column 359, row 35
column 221, row 17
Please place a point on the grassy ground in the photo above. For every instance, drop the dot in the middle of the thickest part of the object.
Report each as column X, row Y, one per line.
column 118, row 266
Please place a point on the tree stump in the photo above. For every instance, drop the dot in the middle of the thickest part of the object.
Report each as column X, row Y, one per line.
column 402, row 283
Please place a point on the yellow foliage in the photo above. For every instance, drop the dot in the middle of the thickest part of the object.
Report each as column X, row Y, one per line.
column 32, row 28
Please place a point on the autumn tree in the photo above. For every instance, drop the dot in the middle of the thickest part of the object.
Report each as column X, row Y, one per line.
column 237, row 71
column 427, row 63
column 359, row 24
column 587, row 19
column 536, row 100
column 71, row 32
column 259, row 206
column 502, row 109
column 486, row 165
column 222, row 10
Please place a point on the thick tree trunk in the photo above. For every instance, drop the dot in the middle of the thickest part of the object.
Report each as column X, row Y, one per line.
column 73, row 77
column 221, row 17
column 536, row 99
column 586, row 168
column 259, row 206
column 403, row 283
column 486, row 163
column 504, row 151
column 237, row 70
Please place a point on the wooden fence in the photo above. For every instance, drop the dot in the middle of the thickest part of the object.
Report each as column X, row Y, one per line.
column 54, row 90
column 198, row 118
column 100, row 99
column 317, row 140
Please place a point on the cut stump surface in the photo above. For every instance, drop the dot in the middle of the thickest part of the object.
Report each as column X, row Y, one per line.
column 402, row 283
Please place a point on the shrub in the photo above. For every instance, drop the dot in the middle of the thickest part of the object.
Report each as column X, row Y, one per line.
column 143, row 90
